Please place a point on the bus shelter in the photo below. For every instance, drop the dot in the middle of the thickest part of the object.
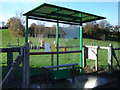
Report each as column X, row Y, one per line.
column 57, row 14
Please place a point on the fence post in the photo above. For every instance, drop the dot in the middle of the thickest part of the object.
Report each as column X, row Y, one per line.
column 52, row 60
column 96, row 61
column 84, row 51
column 25, row 65
column 9, row 59
column 110, row 59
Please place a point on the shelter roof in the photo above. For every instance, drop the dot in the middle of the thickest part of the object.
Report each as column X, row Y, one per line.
column 53, row 13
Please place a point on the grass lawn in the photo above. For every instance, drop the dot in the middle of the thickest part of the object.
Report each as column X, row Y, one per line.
column 45, row 60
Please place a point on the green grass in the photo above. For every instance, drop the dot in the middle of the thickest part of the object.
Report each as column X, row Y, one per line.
column 8, row 38
column 45, row 60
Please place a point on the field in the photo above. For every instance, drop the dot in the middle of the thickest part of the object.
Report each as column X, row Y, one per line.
column 45, row 60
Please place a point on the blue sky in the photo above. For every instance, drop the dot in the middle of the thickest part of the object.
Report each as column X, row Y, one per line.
column 106, row 9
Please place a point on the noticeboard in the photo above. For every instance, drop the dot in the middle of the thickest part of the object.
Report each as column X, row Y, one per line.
column 47, row 47
column 52, row 47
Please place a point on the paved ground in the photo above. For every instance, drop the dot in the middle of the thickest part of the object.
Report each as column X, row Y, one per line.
column 81, row 82
column 114, row 84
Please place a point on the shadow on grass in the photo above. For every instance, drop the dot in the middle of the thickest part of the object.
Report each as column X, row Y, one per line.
column 114, row 39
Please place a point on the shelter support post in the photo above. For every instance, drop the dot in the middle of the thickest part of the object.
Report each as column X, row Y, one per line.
column 80, row 36
column 57, row 42
column 26, row 30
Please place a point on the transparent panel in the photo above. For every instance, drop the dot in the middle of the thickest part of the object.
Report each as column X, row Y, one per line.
column 69, row 41
column 69, row 58
column 42, row 39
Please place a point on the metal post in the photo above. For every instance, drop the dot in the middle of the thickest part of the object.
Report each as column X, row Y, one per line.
column 25, row 65
column 80, row 43
column 26, row 31
column 57, row 42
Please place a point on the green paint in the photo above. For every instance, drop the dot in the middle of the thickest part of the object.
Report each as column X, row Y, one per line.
column 26, row 31
column 81, row 41
column 70, row 15
column 57, row 42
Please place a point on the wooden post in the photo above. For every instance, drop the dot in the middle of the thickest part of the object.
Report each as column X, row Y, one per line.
column 96, row 61
column 9, row 59
column 25, row 66
column 52, row 60
column 110, row 59
column 84, row 56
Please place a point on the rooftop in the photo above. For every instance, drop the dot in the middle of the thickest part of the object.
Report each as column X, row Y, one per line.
column 53, row 13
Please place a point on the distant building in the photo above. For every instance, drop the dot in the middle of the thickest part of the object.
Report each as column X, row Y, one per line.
column 3, row 25
column 49, row 32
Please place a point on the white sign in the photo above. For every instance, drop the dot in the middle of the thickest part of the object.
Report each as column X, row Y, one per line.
column 47, row 47
column 92, row 53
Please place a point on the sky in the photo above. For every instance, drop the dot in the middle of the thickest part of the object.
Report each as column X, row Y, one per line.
column 107, row 9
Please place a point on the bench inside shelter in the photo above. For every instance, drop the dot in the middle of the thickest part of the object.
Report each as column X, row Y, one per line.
column 61, row 71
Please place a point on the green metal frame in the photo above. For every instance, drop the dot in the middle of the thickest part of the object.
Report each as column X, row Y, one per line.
column 53, row 13
column 81, row 42
column 57, row 42
column 26, row 30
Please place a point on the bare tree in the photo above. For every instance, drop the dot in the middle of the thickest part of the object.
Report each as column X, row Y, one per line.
column 19, row 15
column 105, row 24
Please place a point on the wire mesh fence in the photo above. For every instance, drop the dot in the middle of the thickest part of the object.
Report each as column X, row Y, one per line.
column 14, row 67
column 116, row 60
column 15, row 79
